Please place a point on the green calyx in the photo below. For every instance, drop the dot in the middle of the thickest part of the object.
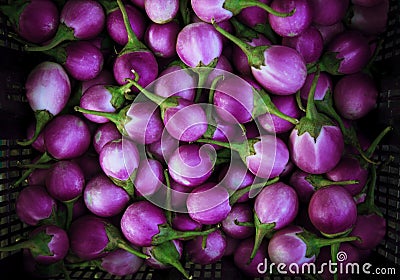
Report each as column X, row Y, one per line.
column 167, row 233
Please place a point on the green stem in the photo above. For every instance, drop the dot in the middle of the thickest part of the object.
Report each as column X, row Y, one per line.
column 255, row 55
column 319, row 181
column 321, row 242
column 244, row 224
column 168, row 202
column 27, row 244
column 370, row 151
column 239, row 193
column 111, row 116
column 45, row 158
column 34, row 166
column 334, row 252
column 311, row 110
column 167, row 234
column 235, row 6
column 70, row 209
column 299, row 101
column 133, row 41
column 42, row 118
column 262, row 230
column 64, row 33
column 271, row 108
column 123, row 245
column 184, row 10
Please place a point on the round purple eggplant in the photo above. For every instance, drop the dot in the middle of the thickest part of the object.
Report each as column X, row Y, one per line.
column 105, row 133
column 121, row 263
column 116, row 28
column 332, row 210
column 48, row 244
column 371, row 20
column 191, row 164
column 308, row 43
column 355, row 96
column 241, row 256
column 75, row 24
column 269, row 62
column 34, row 205
column 347, row 53
column 161, row 38
column 191, row 41
column 103, row 198
column 149, row 177
column 211, row 252
column 295, row 24
column 161, row 11
column 208, row 204
column 240, row 213
column 275, row 207
column 67, row 136
column 48, row 89
column 92, row 237
column 34, row 21
column 183, row 222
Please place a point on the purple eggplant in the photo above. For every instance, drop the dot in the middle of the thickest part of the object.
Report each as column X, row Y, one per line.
column 371, row 229
column 347, row 53
column 116, row 27
column 355, row 95
column 66, row 137
column 149, row 177
column 371, row 20
column 208, row 204
column 42, row 211
column 221, row 10
column 34, row 21
column 48, row 244
column 241, row 256
column 75, row 24
column 66, row 182
column 233, row 225
column 105, row 133
column 367, row 3
column 191, row 164
column 295, row 24
column 161, row 38
column 183, row 222
column 332, row 210
column 119, row 159
column 103, row 198
column 104, row 98
column 206, row 251
column 265, row 156
column 120, row 263
column 145, row 224
column 269, row 62
column 294, row 245
column 161, row 11
column 48, row 89
column 105, row 77
column 81, row 59
column 316, row 143
column 92, row 237
column 328, row 12
column 231, row 246
column 309, row 44
column 190, row 42
column 38, row 144
column 135, row 59
column 275, row 207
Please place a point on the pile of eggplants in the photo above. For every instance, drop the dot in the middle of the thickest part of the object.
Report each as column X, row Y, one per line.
column 167, row 132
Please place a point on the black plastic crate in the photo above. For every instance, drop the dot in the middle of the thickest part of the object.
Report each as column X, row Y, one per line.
column 15, row 115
